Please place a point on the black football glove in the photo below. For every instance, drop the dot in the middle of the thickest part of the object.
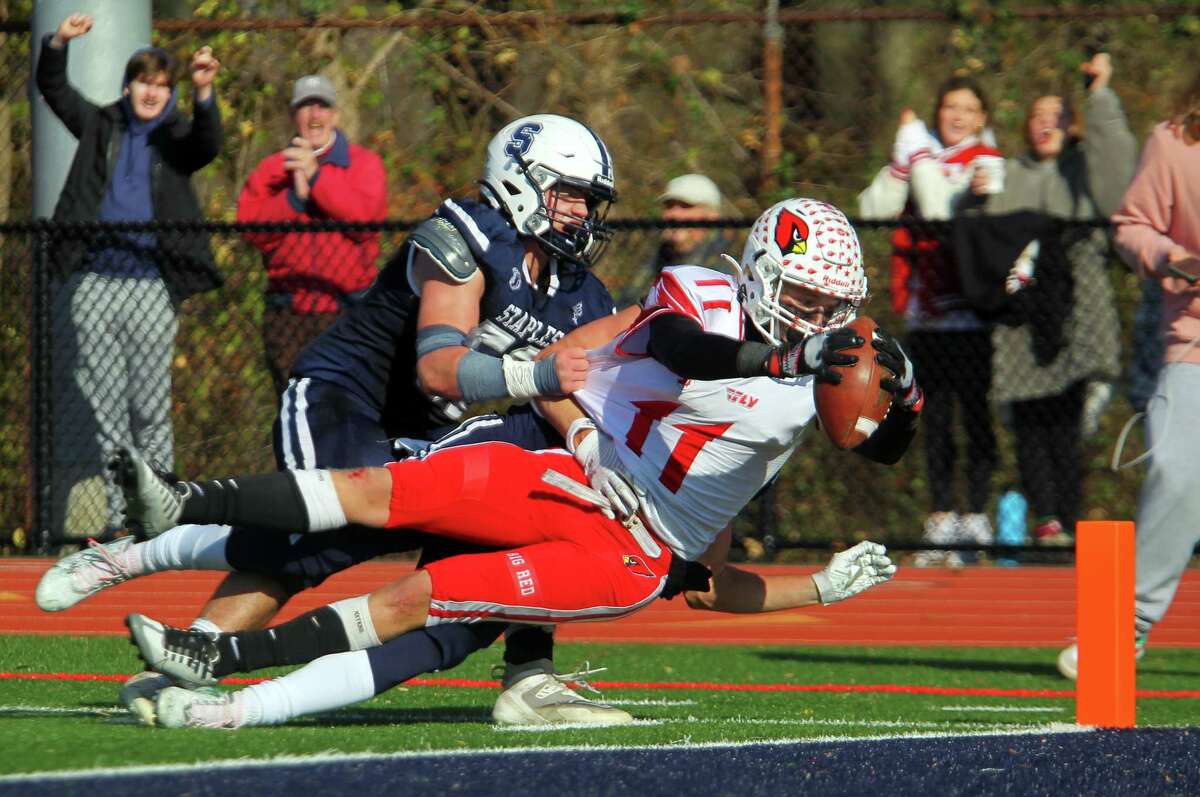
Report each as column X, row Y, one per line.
column 902, row 384
column 820, row 354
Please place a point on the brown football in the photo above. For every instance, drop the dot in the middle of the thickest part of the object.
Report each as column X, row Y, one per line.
column 851, row 411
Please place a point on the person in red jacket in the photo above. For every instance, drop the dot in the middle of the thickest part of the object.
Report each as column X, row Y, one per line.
column 319, row 176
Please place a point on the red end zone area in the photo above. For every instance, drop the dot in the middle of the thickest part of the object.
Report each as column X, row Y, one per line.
column 981, row 606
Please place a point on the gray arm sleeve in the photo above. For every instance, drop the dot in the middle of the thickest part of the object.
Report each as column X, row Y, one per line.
column 438, row 238
column 1110, row 148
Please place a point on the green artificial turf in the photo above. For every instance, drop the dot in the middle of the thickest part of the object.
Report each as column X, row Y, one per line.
column 59, row 725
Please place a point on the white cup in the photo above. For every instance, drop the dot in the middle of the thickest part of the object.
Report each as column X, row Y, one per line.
column 993, row 167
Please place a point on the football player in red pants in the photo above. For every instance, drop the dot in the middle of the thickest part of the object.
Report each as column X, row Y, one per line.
column 684, row 417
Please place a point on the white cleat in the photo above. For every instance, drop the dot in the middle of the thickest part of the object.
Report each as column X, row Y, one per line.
column 1068, row 657
column 187, row 656
column 83, row 574
column 543, row 699
column 205, row 708
column 139, row 693
column 150, row 500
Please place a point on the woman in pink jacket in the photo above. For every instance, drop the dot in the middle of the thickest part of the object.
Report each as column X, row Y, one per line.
column 1158, row 234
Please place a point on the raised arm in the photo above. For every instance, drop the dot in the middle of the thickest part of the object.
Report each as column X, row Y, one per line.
column 68, row 104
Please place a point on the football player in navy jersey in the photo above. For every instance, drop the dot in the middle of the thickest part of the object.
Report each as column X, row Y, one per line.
column 455, row 317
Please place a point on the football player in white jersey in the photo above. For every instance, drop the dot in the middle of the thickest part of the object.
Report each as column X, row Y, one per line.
column 688, row 414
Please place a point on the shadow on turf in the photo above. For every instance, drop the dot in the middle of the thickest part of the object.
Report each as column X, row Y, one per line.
column 393, row 716
column 975, row 665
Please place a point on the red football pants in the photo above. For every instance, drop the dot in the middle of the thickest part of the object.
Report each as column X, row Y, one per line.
column 566, row 560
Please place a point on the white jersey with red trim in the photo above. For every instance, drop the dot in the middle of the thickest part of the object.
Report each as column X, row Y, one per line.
column 699, row 449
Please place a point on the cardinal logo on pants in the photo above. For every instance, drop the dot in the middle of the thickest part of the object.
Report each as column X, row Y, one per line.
column 638, row 565
column 791, row 233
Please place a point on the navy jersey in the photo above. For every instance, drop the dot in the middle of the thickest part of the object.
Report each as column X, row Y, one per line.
column 370, row 350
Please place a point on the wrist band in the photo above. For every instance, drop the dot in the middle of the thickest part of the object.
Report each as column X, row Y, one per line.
column 524, row 379
column 576, row 426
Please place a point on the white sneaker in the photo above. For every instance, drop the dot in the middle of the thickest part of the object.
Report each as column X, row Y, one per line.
column 1068, row 657
column 941, row 528
column 975, row 527
column 543, row 699
column 150, row 501
column 205, row 708
column 83, row 574
column 186, row 655
column 139, row 693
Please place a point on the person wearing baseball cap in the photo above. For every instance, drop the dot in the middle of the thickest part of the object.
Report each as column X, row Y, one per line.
column 687, row 198
column 320, row 175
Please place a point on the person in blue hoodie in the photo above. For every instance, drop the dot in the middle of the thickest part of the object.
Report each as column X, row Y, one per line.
column 116, row 293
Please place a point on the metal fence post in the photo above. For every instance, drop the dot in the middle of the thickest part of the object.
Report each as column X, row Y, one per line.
column 41, row 417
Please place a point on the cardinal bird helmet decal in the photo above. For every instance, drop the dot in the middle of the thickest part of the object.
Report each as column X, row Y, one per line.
column 791, row 233
column 807, row 243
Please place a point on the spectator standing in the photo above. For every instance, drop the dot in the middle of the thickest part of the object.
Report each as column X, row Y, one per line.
column 116, row 296
column 1076, row 175
column 929, row 177
column 687, row 198
column 1158, row 235
column 319, row 176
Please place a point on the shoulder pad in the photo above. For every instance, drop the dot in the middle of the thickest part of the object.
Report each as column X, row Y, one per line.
column 439, row 239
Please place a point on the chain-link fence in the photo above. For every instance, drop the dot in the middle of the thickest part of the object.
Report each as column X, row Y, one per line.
column 110, row 356
column 676, row 88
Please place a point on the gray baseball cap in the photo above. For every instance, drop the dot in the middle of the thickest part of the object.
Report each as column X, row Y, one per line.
column 313, row 87
column 693, row 189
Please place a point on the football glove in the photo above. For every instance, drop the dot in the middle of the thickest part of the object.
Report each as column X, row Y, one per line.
column 853, row 571
column 902, row 384
column 820, row 354
column 598, row 457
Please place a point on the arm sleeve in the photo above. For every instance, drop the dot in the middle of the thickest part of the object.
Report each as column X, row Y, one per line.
column 933, row 192
column 884, row 198
column 1144, row 217
column 1110, row 149
column 206, row 135
column 67, row 103
column 678, row 342
column 889, row 442
column 264, row 198
column 355, row 194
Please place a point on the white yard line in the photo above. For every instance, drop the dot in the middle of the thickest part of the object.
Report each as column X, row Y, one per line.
column 1029, row 709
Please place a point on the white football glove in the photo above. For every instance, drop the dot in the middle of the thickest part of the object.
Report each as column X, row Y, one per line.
column 852, row 571
column 598, row 456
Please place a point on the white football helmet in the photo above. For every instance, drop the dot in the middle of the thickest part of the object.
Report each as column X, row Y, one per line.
column 802, row 242
column 546, row 152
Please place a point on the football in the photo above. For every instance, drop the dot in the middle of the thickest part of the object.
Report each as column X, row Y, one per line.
column 851, row 411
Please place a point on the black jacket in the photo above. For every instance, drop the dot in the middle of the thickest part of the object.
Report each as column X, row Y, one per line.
column 179, row 148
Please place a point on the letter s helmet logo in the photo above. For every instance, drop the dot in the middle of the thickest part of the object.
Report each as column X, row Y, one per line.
column 522, row 139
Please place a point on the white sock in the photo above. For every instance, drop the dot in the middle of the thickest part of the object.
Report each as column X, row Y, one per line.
column 188, row 547
column 205, row 626
column 356, row 619
column 320, row 499
column 325, row 684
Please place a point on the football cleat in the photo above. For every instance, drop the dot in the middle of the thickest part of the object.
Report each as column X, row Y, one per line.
column 205, row 708
column 1068, row 658
column 83, row 574
column 139, row 693
column 186, row 655
column 544, row 699
column 151, row 502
